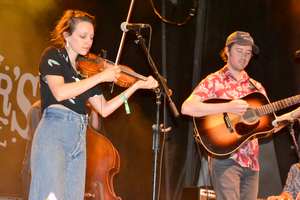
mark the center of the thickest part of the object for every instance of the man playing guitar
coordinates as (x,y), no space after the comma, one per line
(235,177)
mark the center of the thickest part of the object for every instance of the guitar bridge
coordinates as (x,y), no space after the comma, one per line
(227,122)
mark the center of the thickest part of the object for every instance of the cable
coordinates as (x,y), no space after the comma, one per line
(191,14)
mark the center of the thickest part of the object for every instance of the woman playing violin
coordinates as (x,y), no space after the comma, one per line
(58,158)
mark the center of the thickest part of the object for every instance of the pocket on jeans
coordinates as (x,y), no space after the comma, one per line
(78,148)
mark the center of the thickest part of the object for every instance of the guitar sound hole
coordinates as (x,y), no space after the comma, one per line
(250,116)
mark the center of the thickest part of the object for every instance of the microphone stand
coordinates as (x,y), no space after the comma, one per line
(156,127)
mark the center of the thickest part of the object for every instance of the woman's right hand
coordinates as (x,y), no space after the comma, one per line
(110,74)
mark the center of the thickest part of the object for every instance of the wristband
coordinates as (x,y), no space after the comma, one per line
(126,105)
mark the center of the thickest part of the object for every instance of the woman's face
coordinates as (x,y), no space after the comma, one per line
(81,40)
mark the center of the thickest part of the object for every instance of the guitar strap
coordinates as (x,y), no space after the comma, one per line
(252,85)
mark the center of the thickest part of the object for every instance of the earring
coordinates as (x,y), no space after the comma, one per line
(67,44)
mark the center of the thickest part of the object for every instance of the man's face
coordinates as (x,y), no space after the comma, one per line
(239,56)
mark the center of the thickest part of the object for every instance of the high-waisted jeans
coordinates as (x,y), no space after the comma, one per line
(58,156)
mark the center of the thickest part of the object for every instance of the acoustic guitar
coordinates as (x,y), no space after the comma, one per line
(223,134)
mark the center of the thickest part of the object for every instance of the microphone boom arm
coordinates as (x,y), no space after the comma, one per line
(159,77)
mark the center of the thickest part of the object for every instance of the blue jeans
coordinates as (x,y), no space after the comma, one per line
(233,182)
(58,156)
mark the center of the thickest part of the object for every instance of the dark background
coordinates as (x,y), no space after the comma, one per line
(184,55)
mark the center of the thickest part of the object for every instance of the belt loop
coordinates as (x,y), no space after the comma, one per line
(70,116)
(86,118)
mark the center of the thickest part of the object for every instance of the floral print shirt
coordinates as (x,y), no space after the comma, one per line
(223,85)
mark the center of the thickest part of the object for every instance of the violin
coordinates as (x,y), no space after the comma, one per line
(92,64)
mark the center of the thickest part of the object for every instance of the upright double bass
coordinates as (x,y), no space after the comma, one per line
(103,162)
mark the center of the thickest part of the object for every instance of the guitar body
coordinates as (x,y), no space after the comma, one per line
(222,134)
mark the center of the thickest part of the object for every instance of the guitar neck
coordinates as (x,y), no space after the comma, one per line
(278,105)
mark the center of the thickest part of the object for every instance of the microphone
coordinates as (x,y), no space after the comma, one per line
(132,26)
(283,122)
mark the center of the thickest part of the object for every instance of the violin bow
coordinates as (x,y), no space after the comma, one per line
(123,38)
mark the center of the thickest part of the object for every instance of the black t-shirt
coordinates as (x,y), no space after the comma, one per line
(55,61)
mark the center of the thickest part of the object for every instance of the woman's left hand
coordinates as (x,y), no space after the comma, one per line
(150,83)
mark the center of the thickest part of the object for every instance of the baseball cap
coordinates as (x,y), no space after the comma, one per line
(242,38)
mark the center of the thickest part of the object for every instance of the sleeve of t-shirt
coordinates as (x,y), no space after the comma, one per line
(51,62)
(206,88)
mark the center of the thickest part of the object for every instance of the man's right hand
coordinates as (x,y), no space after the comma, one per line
(237,106)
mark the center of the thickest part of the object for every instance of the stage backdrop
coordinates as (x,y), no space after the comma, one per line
(184,54)
(21,41)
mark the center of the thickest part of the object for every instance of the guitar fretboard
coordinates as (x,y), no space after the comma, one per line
(278,105)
